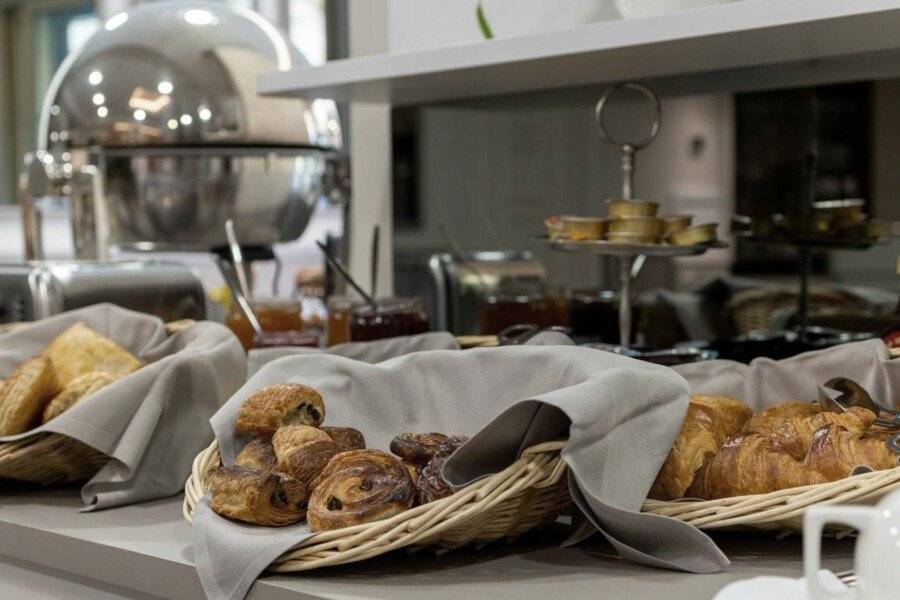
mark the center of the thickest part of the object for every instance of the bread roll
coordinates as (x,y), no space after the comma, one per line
(357,487)
(80,350)
(257,497)
(79,388)
(277,405)
(25,394)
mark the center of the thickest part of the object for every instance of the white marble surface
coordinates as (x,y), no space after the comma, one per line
(49,550)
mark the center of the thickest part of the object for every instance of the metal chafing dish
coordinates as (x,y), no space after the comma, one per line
(155,133)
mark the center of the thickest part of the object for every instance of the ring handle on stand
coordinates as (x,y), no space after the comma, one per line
(629,148)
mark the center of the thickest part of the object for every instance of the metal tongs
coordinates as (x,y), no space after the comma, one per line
(852,394)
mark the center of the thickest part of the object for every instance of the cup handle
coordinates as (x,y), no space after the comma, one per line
(814,522)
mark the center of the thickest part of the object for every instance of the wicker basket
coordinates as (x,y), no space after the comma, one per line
(529,493)
(781,511)
(49,458)
(752,310)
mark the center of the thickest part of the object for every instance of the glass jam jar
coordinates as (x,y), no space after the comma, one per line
(340,313)
(502,311)
(274,314)
(392,317)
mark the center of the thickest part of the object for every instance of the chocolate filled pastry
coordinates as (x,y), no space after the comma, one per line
(346,438)
(359,486)
(80,349)
(413,470)
(289,437)
(24,395)
(277,405)
(430,485)
(81,387)
(417,448)
(307,460)
(258,454)
(258,497)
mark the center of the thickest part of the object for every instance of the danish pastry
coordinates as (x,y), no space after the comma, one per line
(347,438)
(277,405)
(80,349)
(257,497)
(430,484)
(79,388)
(417,448)
(357,487)
(25,393)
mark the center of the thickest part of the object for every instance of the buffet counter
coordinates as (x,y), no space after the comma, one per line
(143,552)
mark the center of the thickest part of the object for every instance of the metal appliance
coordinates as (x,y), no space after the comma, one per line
(461,283)
(155,136)
(38,290)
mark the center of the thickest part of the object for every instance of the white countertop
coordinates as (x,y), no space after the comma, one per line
(49,550)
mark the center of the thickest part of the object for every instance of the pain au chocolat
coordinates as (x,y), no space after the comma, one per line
(277,405)
(258,497)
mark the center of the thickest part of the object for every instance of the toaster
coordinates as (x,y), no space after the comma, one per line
(36,290)
(460,285)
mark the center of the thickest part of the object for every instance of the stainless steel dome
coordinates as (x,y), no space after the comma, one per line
(181,73)
(161,104)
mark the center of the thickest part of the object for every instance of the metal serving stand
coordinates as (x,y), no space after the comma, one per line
(630,257)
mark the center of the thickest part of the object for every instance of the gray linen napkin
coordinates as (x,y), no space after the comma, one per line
(370,352)
(152,422)
(766,382)
(620,415)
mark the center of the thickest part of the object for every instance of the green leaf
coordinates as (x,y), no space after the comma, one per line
(483,24)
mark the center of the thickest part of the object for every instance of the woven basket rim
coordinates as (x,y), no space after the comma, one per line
(540,467)
(782,509)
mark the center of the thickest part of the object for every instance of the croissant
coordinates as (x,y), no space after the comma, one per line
(282,404)
(763,421)
(708,423)
(795,434)
(748,464)
(357,487)
(307,460)
(258,497)
(835,452)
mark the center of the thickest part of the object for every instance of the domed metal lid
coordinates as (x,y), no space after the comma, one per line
(181,73)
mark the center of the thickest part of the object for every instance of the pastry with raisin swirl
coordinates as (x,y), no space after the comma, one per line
(359,486)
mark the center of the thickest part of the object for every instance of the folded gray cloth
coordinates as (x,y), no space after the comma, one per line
(620,416)
(766,382)
(371,352)
(151,422)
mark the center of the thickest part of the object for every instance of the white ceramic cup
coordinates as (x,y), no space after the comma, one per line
(877,560)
